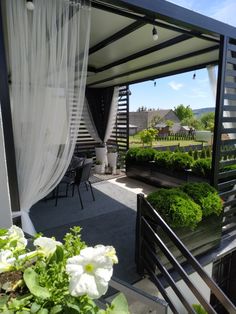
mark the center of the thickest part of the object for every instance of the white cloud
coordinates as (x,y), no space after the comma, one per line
(174,85)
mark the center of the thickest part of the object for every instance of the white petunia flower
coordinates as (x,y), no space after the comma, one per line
(15,234)
(91,271)
(6,260)
(46,245)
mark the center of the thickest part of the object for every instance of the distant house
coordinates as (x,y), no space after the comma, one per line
(144,119)
(133,129)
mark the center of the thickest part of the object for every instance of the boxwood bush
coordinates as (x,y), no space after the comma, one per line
(131,154)
(181,161)
(176,207)
(202,167)
(206,196)
(162,159)
(145,154)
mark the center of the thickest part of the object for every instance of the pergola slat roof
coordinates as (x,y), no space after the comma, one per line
(122,49)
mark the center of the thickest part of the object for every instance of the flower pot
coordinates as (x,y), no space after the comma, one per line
(100,169)
(112,159)
(101,154)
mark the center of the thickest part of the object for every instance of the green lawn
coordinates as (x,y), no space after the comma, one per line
(134,141)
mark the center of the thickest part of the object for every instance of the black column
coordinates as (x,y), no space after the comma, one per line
(7,125)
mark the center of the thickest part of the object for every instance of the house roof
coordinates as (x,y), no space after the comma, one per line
(123,50)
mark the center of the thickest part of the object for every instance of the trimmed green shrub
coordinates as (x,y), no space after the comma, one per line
(202,167)
(131,153)
(203,153)
(190,152)
(195,154)
(162,159)
(176,207)
(145,154)
(205,196)
(208,152)
(180,161)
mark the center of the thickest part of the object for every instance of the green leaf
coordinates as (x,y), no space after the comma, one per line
(56,309)
(119,305)
(35,307)
(72,308)
(58,255)
(3,232)
(31,280)
(42,311)
(3,243)
(3,300)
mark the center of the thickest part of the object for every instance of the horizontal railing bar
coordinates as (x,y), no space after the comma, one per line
(231,73)
(228,228)
(229,221)
(230,212)
(226,184)
(229,130)
(154,302)
(232,47)
(228,193)
(179,268)
(229,108)
(231,60)
(169,279)
(230,85)
(227,174)
(160,287)
(227,162)
(230,203)
(229,119)
(230,96)
(192,260)
(230,152)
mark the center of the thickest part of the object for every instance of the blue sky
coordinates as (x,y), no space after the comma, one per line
(171,91)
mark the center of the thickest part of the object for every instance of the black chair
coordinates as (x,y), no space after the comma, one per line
(82,176)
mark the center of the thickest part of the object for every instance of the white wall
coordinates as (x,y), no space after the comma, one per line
(5,207)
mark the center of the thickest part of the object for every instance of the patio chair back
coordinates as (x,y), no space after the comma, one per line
(83,174)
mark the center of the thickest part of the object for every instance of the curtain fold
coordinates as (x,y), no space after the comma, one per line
(102,105)
(48,53)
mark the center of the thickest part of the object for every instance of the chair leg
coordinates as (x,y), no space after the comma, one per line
(86,186)
(80,198)
(73,190)
(91,190)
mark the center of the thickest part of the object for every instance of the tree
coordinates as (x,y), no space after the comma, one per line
(148,135)
(208,121)
(156,119)
(193,123)
(183,112)
(169,123)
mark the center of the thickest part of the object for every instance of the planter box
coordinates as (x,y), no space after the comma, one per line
(151,174)
(205,237)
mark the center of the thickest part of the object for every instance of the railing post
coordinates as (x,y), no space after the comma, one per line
(138,237)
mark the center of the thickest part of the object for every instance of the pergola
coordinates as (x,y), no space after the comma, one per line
(122,51)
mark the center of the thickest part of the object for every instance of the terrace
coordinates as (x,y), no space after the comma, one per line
(42,98)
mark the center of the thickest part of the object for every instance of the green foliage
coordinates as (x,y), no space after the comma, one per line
(183,112)
(190,152)
(192,122)
(145,154)
(147,136)
(195,154)
(208,121)
(176,207)
(199,309)
(208,152)
(169,123)
(181,161)
(131,153)
(119,305)
(205,196)
(202,167)
(162,159)
(203,153)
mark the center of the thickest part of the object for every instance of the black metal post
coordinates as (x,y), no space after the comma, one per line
(7,125)
(138,237)
(219,110)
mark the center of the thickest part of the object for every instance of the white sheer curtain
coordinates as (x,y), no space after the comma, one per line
(112,114)
(48,52)
(89,122)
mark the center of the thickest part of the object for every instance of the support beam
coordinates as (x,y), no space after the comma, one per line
(8,139)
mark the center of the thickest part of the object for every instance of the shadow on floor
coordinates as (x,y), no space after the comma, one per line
(106,221)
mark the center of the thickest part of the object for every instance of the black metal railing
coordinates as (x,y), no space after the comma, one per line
(147,241)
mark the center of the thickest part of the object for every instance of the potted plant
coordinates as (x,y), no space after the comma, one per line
(112,157)
(99,167)
(55,277)
(193,211)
